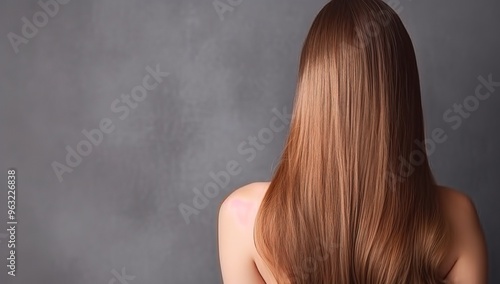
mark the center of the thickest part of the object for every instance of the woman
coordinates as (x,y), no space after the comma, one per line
(344,204)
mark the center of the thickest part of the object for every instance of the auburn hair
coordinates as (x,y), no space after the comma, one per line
(341,206)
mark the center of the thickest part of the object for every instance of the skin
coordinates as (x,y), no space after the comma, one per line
(241,264)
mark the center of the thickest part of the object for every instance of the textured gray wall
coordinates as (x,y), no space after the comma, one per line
(115,217)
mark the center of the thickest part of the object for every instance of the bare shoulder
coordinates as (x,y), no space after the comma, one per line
(456,205)
(243,203)
(235,234)
(459,209)
(251,190)
(469,245)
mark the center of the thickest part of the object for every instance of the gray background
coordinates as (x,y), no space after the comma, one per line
(119,208)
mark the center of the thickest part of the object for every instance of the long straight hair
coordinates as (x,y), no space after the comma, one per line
(353,199)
